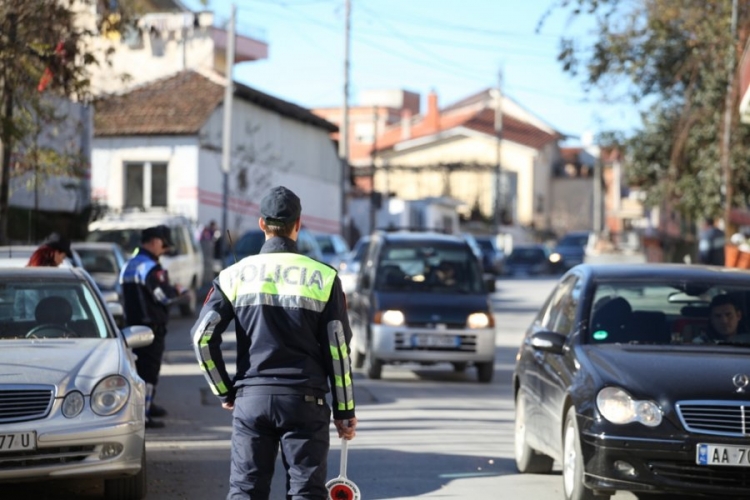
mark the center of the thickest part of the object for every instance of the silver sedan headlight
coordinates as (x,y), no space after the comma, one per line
(72,405)
(110,395)
(619,407)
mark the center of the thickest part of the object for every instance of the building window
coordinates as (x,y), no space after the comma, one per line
(145,185)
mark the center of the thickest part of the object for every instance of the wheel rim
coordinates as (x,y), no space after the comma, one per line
(520,428)
(569,459)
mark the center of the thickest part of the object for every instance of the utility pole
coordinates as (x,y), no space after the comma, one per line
(344,130)
(7,135)
(226,146)
(726,144)
(373,156)
(498,162)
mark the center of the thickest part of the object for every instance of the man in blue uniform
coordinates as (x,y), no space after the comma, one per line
(293,336)
(147,295)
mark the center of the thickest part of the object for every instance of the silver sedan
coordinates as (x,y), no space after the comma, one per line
(71,402)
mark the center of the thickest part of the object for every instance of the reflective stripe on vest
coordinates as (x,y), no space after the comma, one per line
(136,269)
(278,279)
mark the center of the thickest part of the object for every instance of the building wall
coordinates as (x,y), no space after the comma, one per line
(572,204)
(180,153)
(268,150)
(469,187)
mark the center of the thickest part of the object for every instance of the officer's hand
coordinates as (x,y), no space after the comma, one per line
(347,429)
(228,406)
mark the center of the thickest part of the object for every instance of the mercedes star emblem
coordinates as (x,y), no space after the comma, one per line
(740,381)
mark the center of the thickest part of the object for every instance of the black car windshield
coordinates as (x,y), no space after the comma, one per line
(679,314)
(526,255)
(250,244)
(34,308)
(574,240)
(425,267)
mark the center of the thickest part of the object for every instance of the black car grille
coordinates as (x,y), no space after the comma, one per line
(47,456)
(467,343)
(689,473)
(722,418)
(20,403)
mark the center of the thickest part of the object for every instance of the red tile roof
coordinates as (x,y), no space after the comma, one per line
(483,121)
(181,105)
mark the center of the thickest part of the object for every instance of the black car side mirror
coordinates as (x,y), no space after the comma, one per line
(489,283)
(547,341)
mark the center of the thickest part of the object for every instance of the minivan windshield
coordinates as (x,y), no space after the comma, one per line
(432,268)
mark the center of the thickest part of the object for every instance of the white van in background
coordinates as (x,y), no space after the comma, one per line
(184,263)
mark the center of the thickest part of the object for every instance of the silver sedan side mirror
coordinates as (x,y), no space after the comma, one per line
(138,336)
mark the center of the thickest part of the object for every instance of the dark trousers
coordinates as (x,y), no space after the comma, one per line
(148,362)
(263,422)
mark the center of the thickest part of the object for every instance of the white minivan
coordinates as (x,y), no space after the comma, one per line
(184,263)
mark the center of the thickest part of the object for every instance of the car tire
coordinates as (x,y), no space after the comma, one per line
(358,358)
(373,366)
(485,371)
(572,462)
(188,308)
(128,488)
(528,460)
(459,366)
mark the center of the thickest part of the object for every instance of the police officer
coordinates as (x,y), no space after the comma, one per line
(292,335)
(147,295)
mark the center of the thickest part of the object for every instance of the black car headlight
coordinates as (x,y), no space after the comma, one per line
(619,407)
(555,258)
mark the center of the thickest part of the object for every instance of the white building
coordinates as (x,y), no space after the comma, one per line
(160,146)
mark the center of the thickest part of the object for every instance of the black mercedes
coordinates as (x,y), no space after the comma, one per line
(637,378)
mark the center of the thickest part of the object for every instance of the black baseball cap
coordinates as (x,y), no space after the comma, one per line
(60,243)
(280,207)
(162,232)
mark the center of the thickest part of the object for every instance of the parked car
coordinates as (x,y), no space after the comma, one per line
(527,260)
(103,261)
(71,402)
(349,267)
(493,257)
(184,262)
(569,250)
(333,247)
(251,242)
(419,297)
(18,256)
(611,382)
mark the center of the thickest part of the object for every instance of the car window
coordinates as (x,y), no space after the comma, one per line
(571,240)
(523,255)
(664,313)
(326,244)
(38,308)
(568,306)
(99,260)
(426,267)
(553,309)
(180,241)
(249,244)
(128,239)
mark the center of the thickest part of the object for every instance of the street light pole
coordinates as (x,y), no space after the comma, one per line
(498,141)
(226,147)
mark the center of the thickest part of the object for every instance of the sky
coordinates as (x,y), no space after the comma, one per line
(454,47)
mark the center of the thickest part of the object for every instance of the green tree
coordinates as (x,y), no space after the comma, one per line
(678,60)
(46,55)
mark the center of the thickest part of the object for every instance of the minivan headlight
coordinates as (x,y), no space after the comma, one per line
(391,317)
(110,395)
(480,320)
(619,407)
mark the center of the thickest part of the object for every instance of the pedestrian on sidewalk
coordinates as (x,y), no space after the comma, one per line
(293,336)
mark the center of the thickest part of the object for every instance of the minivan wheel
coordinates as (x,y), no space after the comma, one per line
(188,308)
(485,371)
(373,365)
